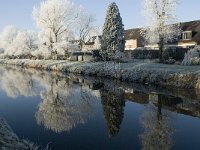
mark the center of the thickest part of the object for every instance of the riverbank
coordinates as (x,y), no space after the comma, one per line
(140,72)
(10,141)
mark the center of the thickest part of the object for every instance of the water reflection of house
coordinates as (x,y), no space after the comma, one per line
(172,103)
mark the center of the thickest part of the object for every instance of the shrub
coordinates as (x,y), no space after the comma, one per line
(169,52)
(192,57)
(143,53)
(176,53)
(95,54)
(170,61)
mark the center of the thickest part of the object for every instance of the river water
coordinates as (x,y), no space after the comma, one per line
(69,112)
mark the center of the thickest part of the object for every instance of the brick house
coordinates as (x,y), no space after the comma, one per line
(190,36)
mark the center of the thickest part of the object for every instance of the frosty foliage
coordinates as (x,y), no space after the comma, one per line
(84,24)
(1,50)
(161,26)
(113,67)
(65,47)
(192,57)
(25,43)
(54,18)
(113,33)
(60,21)
(18,42)
(43,52)
(161,21)
(8,35)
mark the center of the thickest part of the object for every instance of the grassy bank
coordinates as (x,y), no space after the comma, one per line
(140,72)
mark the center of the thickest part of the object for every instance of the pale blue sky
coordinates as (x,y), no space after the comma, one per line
(18,12)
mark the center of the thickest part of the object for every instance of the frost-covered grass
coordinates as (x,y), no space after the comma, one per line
(146,72)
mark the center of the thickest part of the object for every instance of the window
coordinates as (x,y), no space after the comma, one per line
(187,35)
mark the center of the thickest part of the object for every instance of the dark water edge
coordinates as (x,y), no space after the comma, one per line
(75,112)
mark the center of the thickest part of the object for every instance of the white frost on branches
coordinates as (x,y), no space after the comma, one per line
(18,42)
(161,26)
(25,43)
(192,57)
(84,24)
(60,21)
(113,33)
(161,20)
(54,18)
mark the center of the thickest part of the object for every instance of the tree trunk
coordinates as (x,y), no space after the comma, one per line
(56,38)
(159,111)
(161,46)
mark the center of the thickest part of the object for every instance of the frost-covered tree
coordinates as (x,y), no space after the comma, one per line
(18,42)
(54,18)
(8,36)
(84,25)
(25,43)
(192,57)
(161,24)
(113,33)
(1,50)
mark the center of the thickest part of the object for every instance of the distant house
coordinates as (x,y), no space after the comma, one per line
(190,37)
(93,44)
(190,34)
(133,39)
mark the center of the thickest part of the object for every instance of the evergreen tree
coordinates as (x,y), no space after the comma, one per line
(113,40)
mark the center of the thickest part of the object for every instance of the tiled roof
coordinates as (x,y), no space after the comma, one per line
(132,33)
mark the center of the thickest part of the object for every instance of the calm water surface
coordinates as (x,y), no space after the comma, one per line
(70,112)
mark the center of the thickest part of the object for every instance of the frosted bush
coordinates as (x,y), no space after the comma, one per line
(17,42)
(64,47)
(192,57)
(113,68)
(42,52)
(1,50)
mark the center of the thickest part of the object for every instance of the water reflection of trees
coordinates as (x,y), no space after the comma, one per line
(157,123)
(67,100)
(16,83)
(113,102)
(64,106)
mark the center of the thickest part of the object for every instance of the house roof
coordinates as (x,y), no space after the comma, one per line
(133,33)
(193,26)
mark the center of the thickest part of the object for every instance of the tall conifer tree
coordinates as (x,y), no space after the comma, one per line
(113,40)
